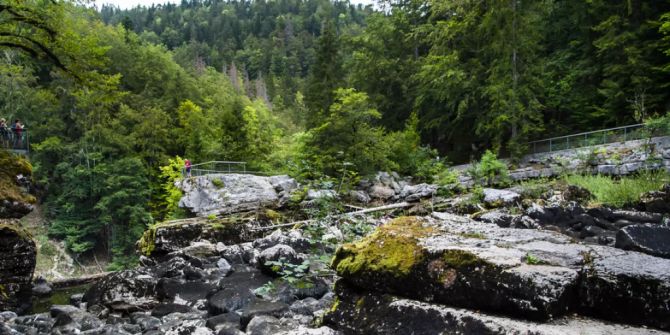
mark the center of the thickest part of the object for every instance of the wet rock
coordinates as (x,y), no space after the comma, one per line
(232,193)
(189,291)
(76,299)
(649,239)
(222,320)
(127,291)
(262,307)
(17,263)
(237,291)
(146,322)
(265,325)
(495,197)
(370,313)
(224,266)
(41,287)
(626,287)
(168,308)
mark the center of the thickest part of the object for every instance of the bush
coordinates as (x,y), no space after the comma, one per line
(490,171)
(409,157)
(619,192)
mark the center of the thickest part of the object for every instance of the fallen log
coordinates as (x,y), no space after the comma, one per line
(349,214)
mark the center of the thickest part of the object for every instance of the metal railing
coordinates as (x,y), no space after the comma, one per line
(218,167)
(590,138)
(17,141)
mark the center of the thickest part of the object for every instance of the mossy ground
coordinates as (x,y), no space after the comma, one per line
(393,249)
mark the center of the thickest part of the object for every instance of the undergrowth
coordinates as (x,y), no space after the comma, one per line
(619,192)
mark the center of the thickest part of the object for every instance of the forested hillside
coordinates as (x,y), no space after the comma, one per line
(315,89)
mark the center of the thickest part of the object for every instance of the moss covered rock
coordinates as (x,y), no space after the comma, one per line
(15,200)
(17,264)
(526,273)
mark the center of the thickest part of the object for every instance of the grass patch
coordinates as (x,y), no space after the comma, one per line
(619,192)
(535,188)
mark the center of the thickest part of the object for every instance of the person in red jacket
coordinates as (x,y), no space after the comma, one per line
(187,167)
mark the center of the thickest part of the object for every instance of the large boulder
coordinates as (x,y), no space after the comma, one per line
(372,313)
(191,236)
(650,239)
(525,273)
(657,201)
(17,264)
(125,291)
(15,199)
(232,193)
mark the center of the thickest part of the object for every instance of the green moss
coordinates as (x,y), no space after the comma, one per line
(12,166)
(20,231)
(335,305)
(391,249)
(218,183)
(459,258)
(147,242)
(272,215)
(473,235)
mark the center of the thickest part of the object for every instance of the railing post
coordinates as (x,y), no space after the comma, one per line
(567,143)
(550,146)
(625,134)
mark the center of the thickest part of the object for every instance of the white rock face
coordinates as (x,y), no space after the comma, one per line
(231,193)
(492,195)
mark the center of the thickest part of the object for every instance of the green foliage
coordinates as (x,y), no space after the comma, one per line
(347,135)
(533,260)
(619,192)
(166,203)
(294,274)
(218,183)
(489,171)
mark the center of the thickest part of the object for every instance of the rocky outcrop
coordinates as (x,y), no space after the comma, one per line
(195,290)
(216,194)
(375,313)
(179,235)
(523,273)
(611,159)
(650,239)
(15,198)
(17,264)
(656,201)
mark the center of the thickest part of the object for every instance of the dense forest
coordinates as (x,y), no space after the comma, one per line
(304,86)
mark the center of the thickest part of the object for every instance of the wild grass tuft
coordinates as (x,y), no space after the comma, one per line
(622,191)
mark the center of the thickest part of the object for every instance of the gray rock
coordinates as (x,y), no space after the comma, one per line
(224,266)
(237,291)
(650,239)
(261,307)
(494,196)
(294,239)
(359,196)
(638,217)
(381,192)
(416,192)
(385,314)
(517,272)
(41,287)
(128,291)
(264,325)
(17,263)
(240,192)
(497,217)
(200,249)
